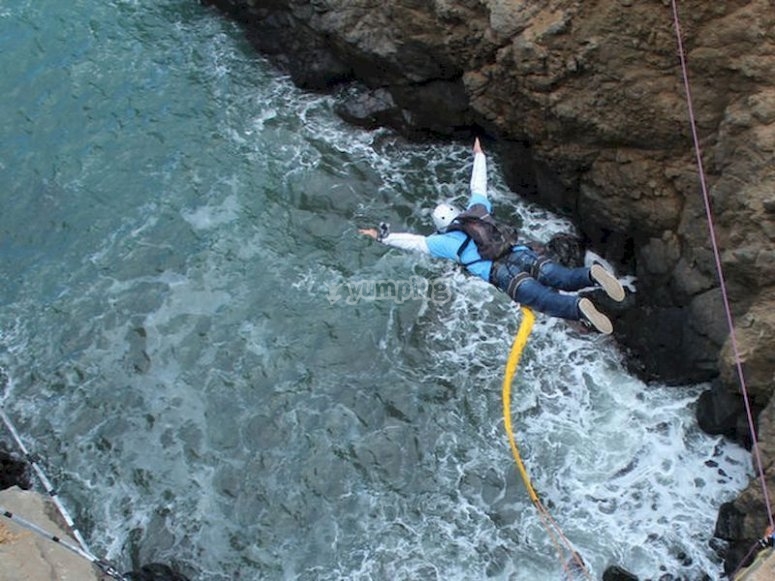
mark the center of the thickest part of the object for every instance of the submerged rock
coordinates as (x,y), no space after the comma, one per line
(156,572)
(616,573)
(369,109)
(14,471)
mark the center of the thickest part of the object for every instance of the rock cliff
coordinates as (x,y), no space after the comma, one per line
(586,102)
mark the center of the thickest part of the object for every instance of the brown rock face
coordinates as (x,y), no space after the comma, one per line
(587,102)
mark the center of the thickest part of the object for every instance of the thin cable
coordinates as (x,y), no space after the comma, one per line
(102,565)
(717,257)
(755,547)
(44,533)
(46,483)
(83,550)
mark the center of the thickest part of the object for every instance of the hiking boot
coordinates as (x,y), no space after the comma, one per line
(594,318)
(612,287)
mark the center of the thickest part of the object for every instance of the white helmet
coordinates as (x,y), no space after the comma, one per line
(442,215)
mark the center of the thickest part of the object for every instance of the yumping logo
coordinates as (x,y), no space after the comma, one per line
(399,291)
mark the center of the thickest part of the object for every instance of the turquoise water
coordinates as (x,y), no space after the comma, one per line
(183,348)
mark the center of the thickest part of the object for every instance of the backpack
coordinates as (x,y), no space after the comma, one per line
(493,239)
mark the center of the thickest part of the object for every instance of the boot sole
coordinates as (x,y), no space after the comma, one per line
(612,287)
(597,319)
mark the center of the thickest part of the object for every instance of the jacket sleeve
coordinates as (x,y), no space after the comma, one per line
(406,241)
(479,175)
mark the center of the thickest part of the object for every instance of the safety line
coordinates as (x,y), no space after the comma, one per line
(45,481)
(83,550)
(575,562)
(719,268)
(102,565)
(754,548)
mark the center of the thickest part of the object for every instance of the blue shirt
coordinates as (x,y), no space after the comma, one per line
(447,244)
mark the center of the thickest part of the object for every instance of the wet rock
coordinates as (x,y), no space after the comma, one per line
(137,358)
(738,555)
(660,346)
(156,572)
(729,524)
(744,520)
(307,55)
(14,471)
(369,109)
(438,106)
(412,111)
(719,412)
(616,573)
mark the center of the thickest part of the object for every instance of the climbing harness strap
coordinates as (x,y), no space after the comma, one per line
(535,270)
(515,283)
(493,239)
(462,248)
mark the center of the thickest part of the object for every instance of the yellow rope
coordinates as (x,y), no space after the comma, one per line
(555,533)
(520,340)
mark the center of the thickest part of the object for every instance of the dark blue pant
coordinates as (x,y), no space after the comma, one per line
(534,281)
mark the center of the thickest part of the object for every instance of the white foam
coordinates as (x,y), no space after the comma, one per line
(210,216)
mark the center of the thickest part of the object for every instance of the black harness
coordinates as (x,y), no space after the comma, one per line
(493,239)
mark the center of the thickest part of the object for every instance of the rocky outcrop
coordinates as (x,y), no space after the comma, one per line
(762,569)
(743,521)
(14,471)
(30,557)
(586,102)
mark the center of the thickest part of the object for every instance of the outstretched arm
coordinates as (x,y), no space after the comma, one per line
(402,240)
(478,177)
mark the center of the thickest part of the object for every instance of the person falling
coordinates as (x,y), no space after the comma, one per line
(492,251)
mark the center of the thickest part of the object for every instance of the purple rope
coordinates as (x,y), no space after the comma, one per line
(719,268)
(742,564)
